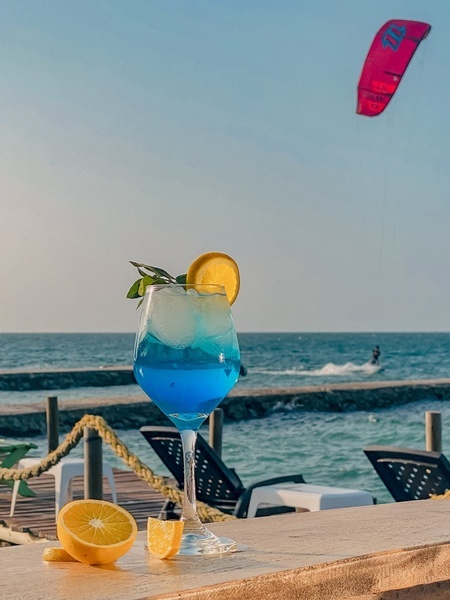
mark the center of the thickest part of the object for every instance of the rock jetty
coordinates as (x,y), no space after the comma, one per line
(62,379)
(132,412)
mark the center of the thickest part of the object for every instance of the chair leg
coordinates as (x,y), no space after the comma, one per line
(108,473)
(113,491)
(168,511)
(63,489)
(15,492)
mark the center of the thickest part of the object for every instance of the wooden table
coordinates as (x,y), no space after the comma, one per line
(392,551)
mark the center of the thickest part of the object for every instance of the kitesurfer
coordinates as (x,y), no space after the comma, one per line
(375,356)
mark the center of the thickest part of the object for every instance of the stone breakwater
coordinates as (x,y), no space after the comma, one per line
(132,412)
(61,379)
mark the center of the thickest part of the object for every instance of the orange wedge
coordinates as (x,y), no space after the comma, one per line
(164,537)
(95,532)
(218,268)
(57,555)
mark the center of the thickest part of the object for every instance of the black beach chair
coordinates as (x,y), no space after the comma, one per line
(216,484)
(410,474)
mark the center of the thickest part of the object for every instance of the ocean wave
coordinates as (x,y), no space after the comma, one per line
(330,369)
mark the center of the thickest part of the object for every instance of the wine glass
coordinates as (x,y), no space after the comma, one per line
(186,359)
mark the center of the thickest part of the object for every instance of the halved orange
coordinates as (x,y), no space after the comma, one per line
(164,537)
(95,532)
(218,268)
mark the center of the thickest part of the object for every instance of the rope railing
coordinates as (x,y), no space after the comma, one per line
(161,484)
(444,496)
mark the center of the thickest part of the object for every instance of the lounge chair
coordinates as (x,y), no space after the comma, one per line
(221,487)
(410,474)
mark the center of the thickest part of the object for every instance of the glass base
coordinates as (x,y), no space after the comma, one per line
(194,544)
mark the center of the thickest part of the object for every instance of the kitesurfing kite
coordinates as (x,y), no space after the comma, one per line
(387,60)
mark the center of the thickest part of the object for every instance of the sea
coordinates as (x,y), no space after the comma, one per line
(326,447)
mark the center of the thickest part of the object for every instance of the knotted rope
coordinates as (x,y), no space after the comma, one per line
(444,496)
(161,484)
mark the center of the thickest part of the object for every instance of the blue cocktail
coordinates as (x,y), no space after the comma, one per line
(186,359)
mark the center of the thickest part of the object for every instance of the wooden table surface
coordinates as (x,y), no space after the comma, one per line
(365,553)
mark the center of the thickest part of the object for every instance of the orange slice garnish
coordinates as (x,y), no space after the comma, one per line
(216,268)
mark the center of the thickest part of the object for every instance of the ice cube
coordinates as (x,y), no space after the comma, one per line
(172,317)
(214,316)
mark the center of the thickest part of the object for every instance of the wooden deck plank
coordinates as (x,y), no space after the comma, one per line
(38,514)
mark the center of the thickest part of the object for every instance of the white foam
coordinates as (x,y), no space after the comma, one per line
(330,369)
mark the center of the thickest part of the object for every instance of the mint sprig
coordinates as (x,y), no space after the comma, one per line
(148,276)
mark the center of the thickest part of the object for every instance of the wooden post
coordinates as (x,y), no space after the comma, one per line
(433,431)
(52,423)
(93,465)
(215,430)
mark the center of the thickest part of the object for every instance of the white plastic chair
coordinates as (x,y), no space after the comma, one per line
(63,472)
(307,496)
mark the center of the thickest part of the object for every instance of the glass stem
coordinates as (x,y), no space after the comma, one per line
(189,515)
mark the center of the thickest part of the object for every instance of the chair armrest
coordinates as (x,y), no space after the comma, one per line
(241,508)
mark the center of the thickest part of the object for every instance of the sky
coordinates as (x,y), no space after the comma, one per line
(157,130)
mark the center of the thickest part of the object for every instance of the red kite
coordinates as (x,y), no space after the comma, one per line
(387,60)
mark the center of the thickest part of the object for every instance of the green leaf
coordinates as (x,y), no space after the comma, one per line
(145,281)
(136,264)
(149,276)
(154,271)
(133,292)
(162,273)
